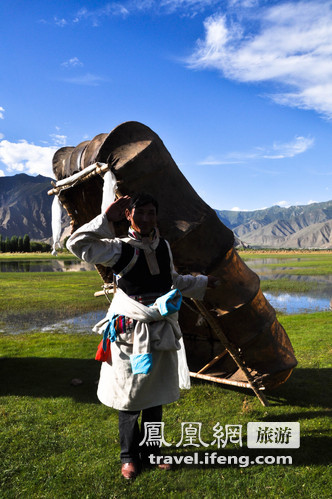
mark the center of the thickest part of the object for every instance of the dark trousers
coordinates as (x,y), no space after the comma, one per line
(131,435)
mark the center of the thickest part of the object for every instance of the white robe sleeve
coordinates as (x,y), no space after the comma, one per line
(189,285)
(95,242)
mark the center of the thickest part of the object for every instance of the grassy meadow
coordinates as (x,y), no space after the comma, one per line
(58,441)
(295,263)
(40,296)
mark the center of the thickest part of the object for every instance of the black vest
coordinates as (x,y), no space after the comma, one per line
(138,280)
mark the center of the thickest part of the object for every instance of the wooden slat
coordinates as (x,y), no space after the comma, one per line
(232,351)
(213,361)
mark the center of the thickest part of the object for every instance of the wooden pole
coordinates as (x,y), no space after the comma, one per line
(102,293)
(90,171)
(231,349)
(224,381)
(213,361)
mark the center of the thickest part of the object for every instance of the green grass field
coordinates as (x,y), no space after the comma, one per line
(58,441)
(304,263)
(63,255)
(37,297)
(291,263)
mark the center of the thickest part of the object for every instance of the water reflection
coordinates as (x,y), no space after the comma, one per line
(289,303)
(283,302)
(83,324)
(45,266)
(80,324)
(297,304)
(278,268)
(264,276)
(269,261)
(315,300)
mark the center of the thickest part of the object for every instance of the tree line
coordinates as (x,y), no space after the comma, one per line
(19,244)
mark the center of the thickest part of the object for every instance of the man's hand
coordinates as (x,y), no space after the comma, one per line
(213,281)
(116,211)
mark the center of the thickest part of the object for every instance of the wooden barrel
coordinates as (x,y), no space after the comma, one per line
(200,242)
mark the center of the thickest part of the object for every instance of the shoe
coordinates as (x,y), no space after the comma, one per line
(129,471)
(165,466)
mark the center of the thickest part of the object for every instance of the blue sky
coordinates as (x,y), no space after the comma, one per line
(240,91)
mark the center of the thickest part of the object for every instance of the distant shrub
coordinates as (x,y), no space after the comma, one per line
(26,243)
(37,246)
(19,244)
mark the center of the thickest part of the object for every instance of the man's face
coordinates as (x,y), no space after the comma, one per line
(143,218)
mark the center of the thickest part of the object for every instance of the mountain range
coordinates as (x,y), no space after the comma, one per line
(307,226)
(25,208)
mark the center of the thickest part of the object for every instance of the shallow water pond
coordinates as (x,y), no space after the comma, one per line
(80,324)
(315,300)
(289,303)
(301,270)
(44,266)
(283,302)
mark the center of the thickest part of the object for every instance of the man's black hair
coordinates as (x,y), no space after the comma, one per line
(141,199)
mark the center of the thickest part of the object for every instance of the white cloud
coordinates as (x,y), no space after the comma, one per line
(185,7)
(283,204)
(25,157)
(278,150)
(59,140)
(288,43)
(1,136)
(243,3)
(2,173)
(189,5)
(312,201)
(60,22)
(74,62)
(236,208)
(87,79)
(289,149)
(96,15)
(228,159)
(1,113)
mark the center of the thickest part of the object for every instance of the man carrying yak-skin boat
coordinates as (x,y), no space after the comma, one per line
(141,330)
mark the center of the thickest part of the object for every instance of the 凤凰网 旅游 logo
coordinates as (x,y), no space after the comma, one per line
(273,435)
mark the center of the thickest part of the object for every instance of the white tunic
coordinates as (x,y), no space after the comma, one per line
(95,242)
